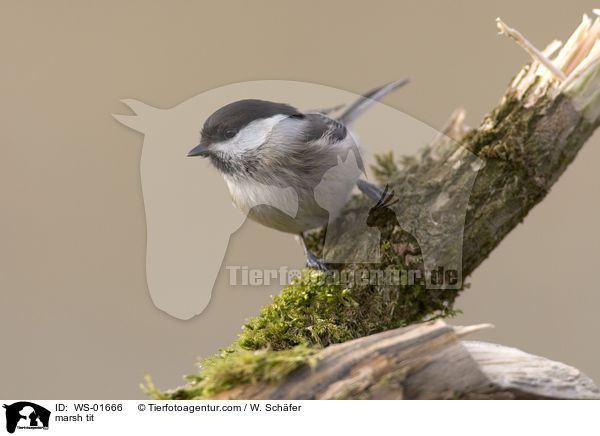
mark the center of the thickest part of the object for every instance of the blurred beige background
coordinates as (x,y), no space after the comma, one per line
(75,314)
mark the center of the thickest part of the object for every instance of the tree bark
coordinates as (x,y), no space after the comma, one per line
(515,156)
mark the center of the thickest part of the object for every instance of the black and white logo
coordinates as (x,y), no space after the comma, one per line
(26,415)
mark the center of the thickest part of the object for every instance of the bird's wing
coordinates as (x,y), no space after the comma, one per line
(313,140)
(360,106)
(318,126)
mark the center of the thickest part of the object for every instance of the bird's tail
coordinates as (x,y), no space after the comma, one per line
(361,105)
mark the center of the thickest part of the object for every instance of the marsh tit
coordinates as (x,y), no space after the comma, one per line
(289,170)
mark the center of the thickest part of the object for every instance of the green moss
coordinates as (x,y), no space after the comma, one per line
(309,311)
(385,167)
(308,314)
(234,367)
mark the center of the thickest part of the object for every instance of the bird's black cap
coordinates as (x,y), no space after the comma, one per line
(231,118)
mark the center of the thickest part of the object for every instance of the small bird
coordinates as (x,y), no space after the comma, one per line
(274,158)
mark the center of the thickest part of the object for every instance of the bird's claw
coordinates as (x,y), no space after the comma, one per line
(314,262)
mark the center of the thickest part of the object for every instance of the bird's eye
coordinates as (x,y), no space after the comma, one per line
(230,133)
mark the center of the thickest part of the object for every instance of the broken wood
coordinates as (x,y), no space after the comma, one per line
(424,361)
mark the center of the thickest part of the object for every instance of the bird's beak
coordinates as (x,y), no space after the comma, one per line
(198,150)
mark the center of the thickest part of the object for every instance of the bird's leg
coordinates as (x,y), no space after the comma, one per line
(372,191)
(312,261)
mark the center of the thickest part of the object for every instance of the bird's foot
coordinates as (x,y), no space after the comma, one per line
(314,262)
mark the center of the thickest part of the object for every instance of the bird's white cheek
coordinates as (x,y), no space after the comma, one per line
(239,144)
(250,137)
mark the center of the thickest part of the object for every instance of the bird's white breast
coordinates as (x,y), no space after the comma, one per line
(247,193)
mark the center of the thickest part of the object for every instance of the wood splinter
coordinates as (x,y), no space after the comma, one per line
(529,48)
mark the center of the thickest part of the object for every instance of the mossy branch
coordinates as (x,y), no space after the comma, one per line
(518,152)
(423,361)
